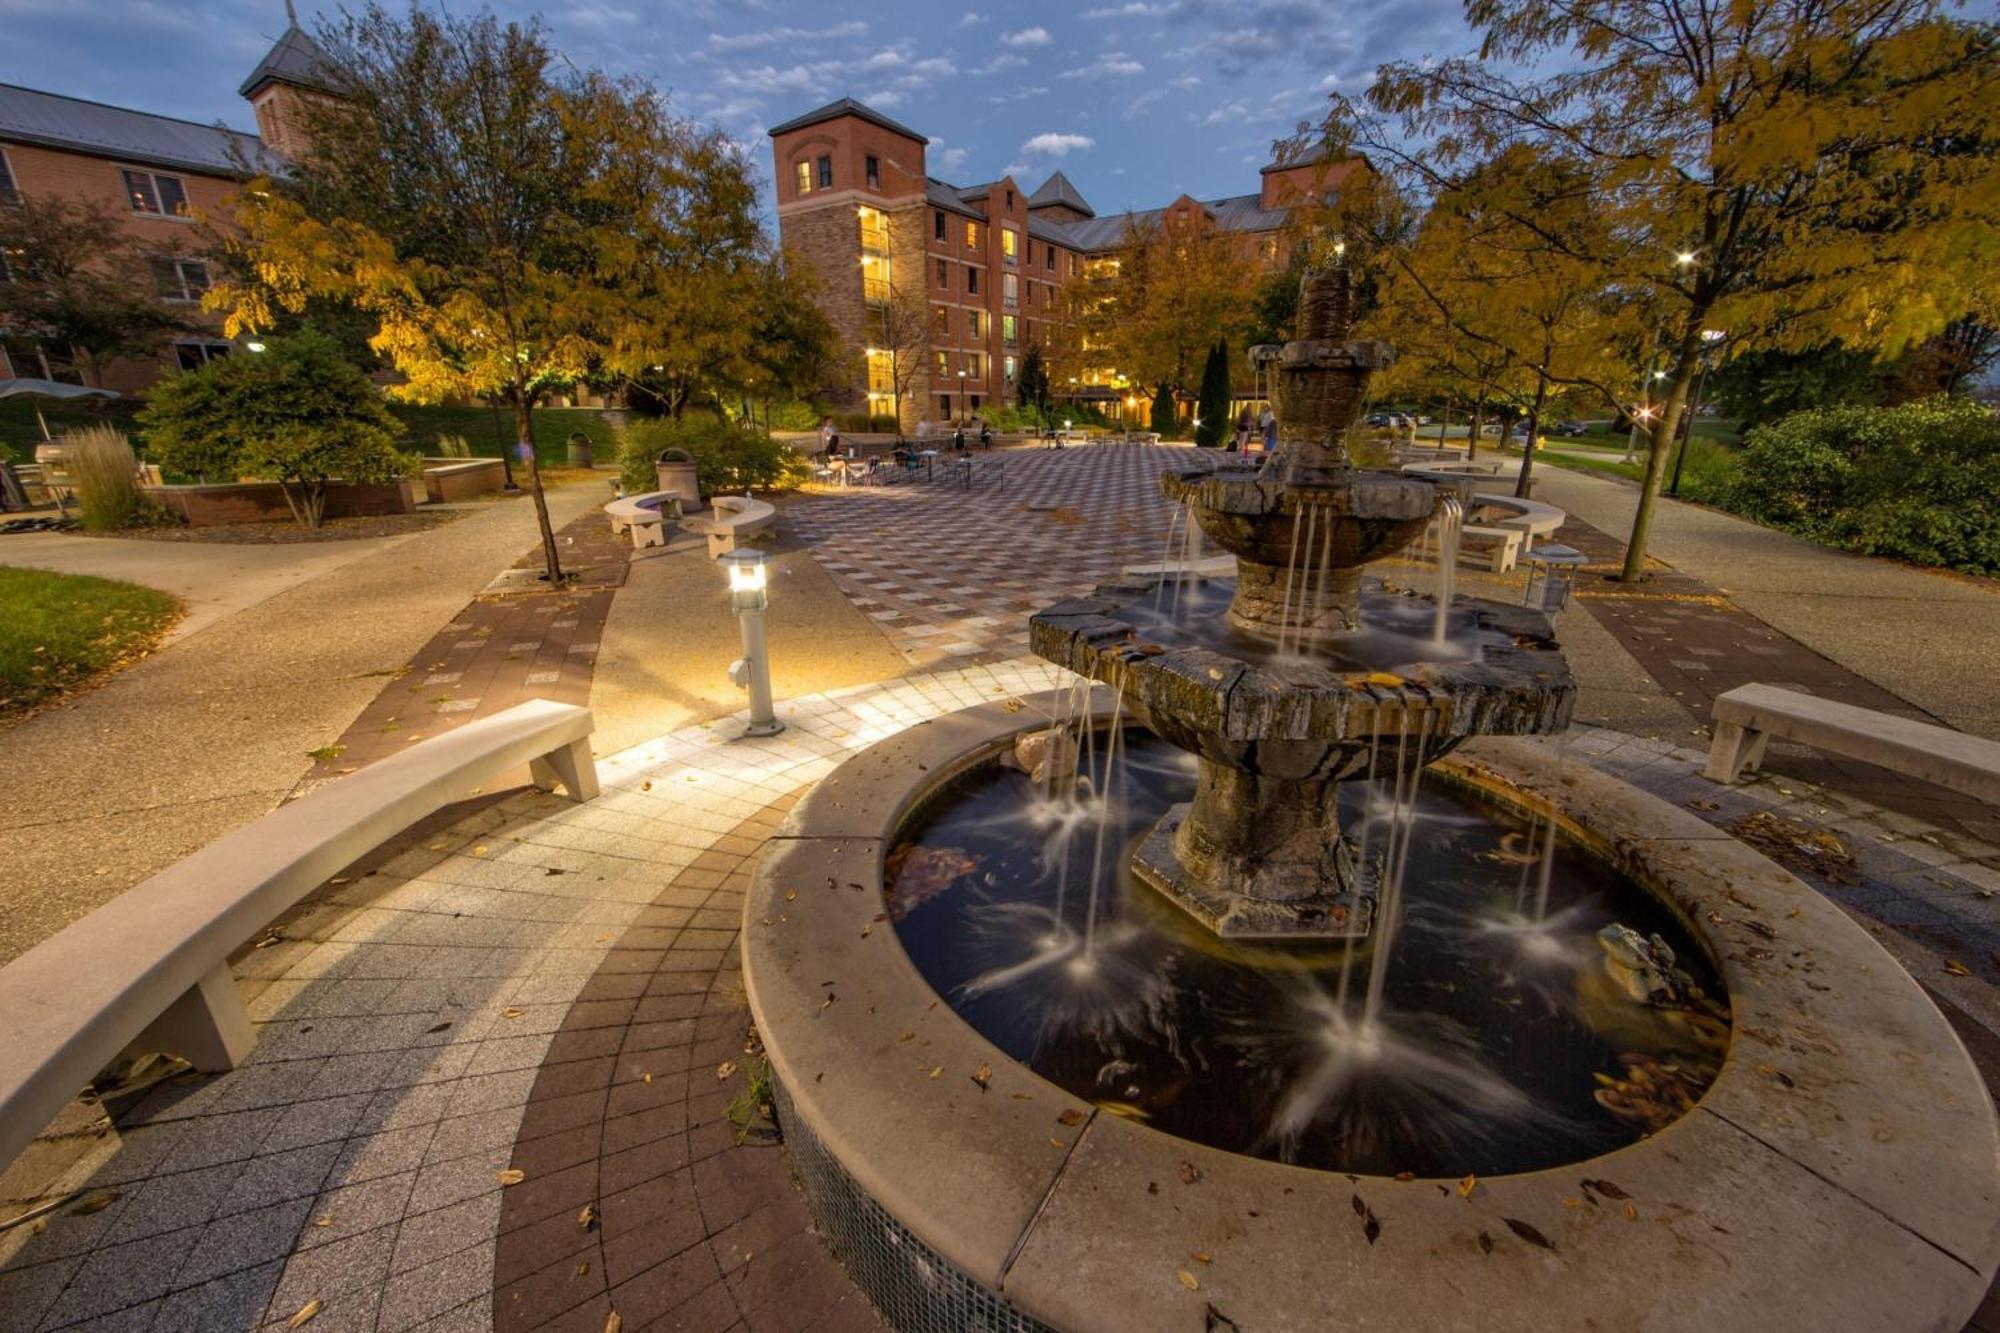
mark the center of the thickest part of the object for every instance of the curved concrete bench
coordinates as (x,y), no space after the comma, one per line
(1530,516)
(1748,716)
(149,970)
(644,516)
(736,519)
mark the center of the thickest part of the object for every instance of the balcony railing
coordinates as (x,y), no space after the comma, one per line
(875,291)
(875,240)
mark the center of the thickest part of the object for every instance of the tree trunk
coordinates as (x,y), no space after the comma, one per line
(1525,483)
(1658,452)
(524,430)
(1478,426)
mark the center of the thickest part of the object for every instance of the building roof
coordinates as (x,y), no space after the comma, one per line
(1058,190)
(846,106)
(950,198)
(1242,212)
(294,58)
(51,120)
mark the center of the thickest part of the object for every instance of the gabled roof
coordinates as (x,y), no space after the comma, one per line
(1058,190)
(51,120)
(846,106)
(1242,212)
(294,58)
(948,197)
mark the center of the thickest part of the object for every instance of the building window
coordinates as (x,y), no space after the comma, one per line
(974,368)
(1010,201)
(941,322)
(805,176)
(972,235)
(1010,369)
(975,402)
(151,193)
(943,361)
(944,406)
(10,193)
(180,279)
(944,275)
(972,324)
(1073,265)
(972,281)
(874,230)
(1007,329)
(937,224)
(1049,256)
(1010,288)
(1010,242)
(825,172)
(874,173)
(195,355)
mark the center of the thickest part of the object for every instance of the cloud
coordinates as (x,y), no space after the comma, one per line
(759,37)
(770,79)
(1001,62)
(1136,9)
(1111,65)
(1017,169)
(1227,113)
(1036,36)
(1021,94)
(1057,145)
(884,98)
(944,158)
(1143,103)
(972,19)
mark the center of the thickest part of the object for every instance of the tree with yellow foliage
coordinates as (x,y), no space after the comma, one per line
(1785,173)
(1177,287)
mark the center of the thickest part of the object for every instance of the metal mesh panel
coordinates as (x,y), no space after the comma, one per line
(916,1289)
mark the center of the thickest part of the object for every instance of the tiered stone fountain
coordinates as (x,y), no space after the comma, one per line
(1259,852)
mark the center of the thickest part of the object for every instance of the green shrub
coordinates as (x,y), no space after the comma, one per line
(101,466)
(453,446)
(299,414)
(727,457)
(1915,481)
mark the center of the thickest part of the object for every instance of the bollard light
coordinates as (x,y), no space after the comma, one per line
(1552,576)
(749,596)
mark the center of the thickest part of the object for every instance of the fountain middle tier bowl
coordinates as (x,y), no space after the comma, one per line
(1254,514)
(1234,697)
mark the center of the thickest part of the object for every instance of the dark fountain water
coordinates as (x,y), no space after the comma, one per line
(1264,926)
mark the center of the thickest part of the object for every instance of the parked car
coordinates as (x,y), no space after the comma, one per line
(1568,428)
(1381,421)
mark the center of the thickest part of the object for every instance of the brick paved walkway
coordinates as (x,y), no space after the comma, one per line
(503,649)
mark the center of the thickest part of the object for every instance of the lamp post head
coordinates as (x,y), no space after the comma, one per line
(748,578)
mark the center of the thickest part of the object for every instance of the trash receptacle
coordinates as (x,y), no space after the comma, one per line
(678,478)
(579,450)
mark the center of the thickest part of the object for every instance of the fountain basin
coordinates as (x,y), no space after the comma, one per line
(1840,1172)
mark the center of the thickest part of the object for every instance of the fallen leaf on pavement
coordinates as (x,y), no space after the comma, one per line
(513,1176)
(1188,1280)
(306,1312)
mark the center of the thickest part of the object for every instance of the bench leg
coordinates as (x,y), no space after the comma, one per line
(207,1026)
(570,768)
(1735,752)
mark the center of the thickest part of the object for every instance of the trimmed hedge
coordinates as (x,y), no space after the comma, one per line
(727,457)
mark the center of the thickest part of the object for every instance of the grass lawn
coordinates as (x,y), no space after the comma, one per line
(58,631)
(552,426)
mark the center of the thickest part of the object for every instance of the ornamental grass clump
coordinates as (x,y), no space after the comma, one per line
(105,473)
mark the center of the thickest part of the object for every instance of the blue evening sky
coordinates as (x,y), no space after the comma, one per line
(1137,100)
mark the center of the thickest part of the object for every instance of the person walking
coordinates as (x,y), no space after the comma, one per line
(1244,424)
(826,436)
(1270,425)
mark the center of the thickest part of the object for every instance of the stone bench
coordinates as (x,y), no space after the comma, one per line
(451,480)
(149,970)
(734,521)
(1747,717)
(1496,549)
(1532,517)
(644,516)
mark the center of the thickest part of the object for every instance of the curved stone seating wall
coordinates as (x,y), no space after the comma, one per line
(734,521)
(1840,1173)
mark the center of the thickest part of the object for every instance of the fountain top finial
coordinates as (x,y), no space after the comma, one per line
(1326,304)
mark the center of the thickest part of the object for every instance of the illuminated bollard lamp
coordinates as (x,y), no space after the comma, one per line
(749,596)
(1552,571)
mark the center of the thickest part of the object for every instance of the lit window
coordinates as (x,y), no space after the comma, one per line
(972,235)
(1010,288)
(1010,369)
(874,173)
(805,177)
(150,193)
(944,362)
(825,172)
(972,324)
(1007,329)
(180,279)
(1010,242)
(195,355)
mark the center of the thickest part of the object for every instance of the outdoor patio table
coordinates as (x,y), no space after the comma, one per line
(930,463)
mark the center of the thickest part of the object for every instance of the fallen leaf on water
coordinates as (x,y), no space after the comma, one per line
(983,1076)
(513,1176)
(306,1312)
(95,1203)
(1466,1186)
(1070,1117)
(1956,968)
(1188,1280)
(1528,1233)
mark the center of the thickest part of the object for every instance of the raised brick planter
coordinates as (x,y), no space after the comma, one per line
(447,481)
(264,501)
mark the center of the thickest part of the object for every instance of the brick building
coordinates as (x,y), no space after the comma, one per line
(158,174)
(989,261)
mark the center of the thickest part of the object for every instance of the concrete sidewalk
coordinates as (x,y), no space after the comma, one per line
(1930,637)
(213,579)
(213,731)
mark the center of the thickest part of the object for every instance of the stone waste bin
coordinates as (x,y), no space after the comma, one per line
(677,476)
(580,450)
